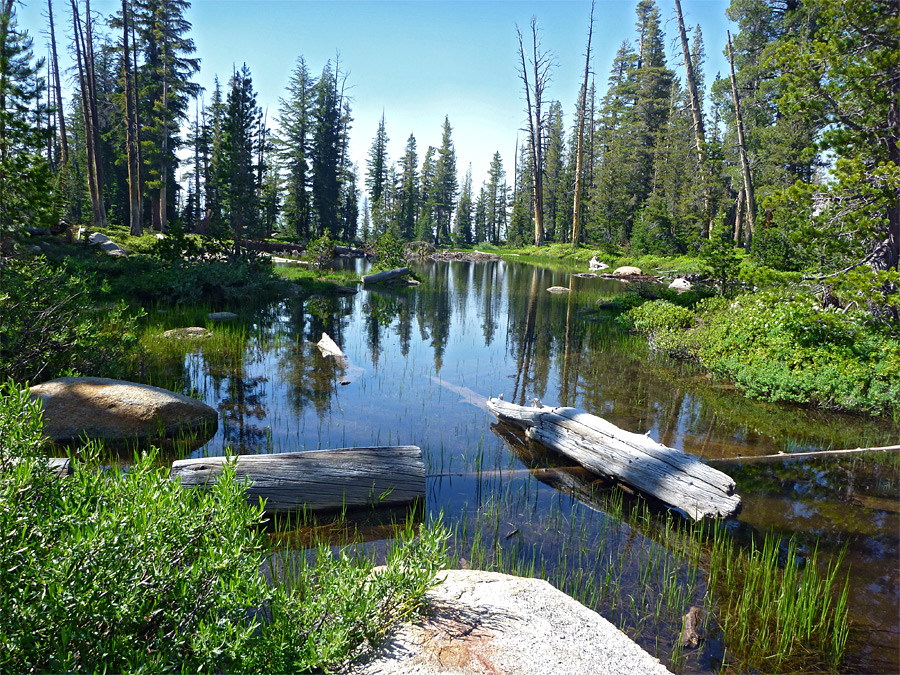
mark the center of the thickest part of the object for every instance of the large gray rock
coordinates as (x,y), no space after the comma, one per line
(484,622)
(627,271)
(116,410)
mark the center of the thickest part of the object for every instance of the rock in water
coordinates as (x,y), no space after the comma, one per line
(558,289)
(116,410)
(221,316)
(595,264)
(627,271)
(190,333)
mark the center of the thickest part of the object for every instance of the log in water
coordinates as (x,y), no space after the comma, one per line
(319,480)
(670,475)
(385,276)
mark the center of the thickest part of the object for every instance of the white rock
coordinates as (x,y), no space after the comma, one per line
(558,289)
(597,265)
(627,271)
(190,333)
(484,622)
(681,285)
(98,238)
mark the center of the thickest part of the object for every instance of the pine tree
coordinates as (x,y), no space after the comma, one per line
(446,185)
(24,172)
(238,182)
(408,195)
(295,123)
(377,164)
(462,226)
(326,153)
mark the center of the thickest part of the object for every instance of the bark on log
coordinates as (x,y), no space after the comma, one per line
(385,276)
(320,480)
(670,475)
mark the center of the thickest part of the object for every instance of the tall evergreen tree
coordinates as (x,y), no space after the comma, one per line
(295,123)
(239,153)
(377,164)
(24,172)
(326,153)
(446,185)
(408,196)
(462,226)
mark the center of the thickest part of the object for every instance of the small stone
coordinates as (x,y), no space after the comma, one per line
(627,271)
(190,333)
(558,289)
(221,316)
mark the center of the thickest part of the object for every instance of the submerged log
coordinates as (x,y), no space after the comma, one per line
(677,479)
(319,480)
(385,276)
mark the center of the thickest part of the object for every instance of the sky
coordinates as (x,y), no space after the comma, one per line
(417,61)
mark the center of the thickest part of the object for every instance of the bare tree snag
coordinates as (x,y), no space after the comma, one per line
(742,148)
(579,153)
(134,189)
(60,112)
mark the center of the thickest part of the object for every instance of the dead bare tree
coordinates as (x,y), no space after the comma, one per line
(134,188)
(579,153)
(541,66)
(742,148)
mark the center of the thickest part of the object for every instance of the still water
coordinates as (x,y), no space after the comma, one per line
(422,360)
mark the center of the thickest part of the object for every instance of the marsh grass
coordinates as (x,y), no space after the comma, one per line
(772,608)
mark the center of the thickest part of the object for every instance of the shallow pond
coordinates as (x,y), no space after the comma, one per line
(421,362)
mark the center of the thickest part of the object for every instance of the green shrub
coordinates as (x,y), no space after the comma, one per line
(781,347)
(389,252)
(114,571)
(320,252)
(49,325)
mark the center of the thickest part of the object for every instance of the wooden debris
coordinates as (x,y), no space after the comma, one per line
(318,480)
(381,277)
(677,479)
(691,628)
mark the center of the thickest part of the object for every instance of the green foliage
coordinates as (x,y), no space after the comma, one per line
(780,347)
(389,252)
(50,327)
(652,233)
(129,572)
(320,251)
(720,258)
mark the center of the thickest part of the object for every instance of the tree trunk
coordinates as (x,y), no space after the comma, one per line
(134,193)
(697,115)
(742,148)
(88,110)
(318,480)
(60,112)
(670,475)
(738,216)
(579,153)
(534,128)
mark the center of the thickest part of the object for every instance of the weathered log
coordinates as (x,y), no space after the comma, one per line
(319,480)
(385,276)
(60,467)
(815,454)
(670,475)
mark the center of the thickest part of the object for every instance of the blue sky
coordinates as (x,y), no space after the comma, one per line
(417,60)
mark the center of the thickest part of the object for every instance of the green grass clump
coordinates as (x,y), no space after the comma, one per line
(111,571)
(780,347)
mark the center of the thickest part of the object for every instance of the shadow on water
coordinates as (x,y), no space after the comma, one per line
(420,358)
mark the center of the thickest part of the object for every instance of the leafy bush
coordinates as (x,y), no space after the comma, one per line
(320,251)
(112,571)
(49,325)
(389,252)
(780,347)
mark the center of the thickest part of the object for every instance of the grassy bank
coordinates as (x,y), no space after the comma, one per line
(779,346)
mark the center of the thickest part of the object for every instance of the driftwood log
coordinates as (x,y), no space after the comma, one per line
(677,479)
(319,480)
(385,276)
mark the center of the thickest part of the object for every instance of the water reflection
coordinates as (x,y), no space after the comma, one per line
(417,357)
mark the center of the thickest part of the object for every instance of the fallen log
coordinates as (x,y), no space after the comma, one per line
(677,479)
(318,480)
(385,276)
